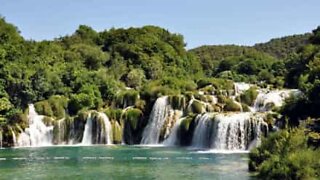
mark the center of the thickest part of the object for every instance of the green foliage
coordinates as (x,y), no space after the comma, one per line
(8,33)
(116,132)
(135,78)
(185,124)
(248,97)
(5,105)
(127,98)
(177,101)
(43,108)
(282,48)
(132,116)
(114,114)
(285,155)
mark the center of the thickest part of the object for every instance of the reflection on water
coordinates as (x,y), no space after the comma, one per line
(120,162)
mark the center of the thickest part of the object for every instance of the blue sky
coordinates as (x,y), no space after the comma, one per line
(243,22)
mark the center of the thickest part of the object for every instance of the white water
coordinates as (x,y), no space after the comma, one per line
(266,99)
(14,138)
(87,134)
(156,120)
(173,138)
(37,134)
(240,87)
(61,131)
(1,139)
(107,128)
(201,135)
(234,131)
(104,130)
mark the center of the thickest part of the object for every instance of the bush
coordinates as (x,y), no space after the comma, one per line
(43,108)
(249,96)
(285,155)
(58,105)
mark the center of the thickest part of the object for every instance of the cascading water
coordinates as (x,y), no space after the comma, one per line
(201,135)
(1,139)
(97,130)
(156,120)
(173,138)
(87,133)
(37,134)
(59,131)
(240,87)
(267,99)
(107,130)
(235,131)
(14,138)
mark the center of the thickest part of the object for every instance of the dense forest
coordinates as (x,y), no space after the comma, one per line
(117,68)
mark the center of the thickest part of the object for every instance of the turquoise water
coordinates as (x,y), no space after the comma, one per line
(120,162)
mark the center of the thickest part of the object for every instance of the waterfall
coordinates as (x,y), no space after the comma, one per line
(1,139)
(107,130)
(237,131)
(240,87)
(61,131)
(156,119)
(37,134)
(87,134)
(14,138)
(267,99)
(234,131)
(173,138)
(201,135)
(97,129)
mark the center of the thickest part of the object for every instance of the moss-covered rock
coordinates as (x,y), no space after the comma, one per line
(230,105)
(114,114)
(132,116)
(245,107)
(222,99)
(48,121)
(116,132)
(140,104)
(127,98)
(177,101)
(43,108)
(55,106)
(249,96)
(58,104)
(197,107)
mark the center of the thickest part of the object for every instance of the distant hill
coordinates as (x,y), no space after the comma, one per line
(282,47)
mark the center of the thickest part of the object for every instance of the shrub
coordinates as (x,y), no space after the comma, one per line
(285,155)
(43,108)
(249,96)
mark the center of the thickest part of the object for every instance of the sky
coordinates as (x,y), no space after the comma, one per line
(201,22)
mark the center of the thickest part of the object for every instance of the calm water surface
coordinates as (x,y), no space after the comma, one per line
(120,162)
